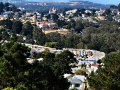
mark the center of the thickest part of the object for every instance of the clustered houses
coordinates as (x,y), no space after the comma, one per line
(5,15)
(87,61)
(48,25)
(80,54)
(45,25)
(71,12)
(100,12)
(37,4)
(35,17)
(87,15)
(98,16)
(86,56)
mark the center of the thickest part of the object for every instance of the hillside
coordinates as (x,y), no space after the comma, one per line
(37,4)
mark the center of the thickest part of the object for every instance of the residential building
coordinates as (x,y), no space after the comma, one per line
(53,10)
(77,82)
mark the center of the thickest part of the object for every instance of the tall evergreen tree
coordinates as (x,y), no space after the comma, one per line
(108,76)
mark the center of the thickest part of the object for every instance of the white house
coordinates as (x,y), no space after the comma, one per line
(78,82)
(71,11)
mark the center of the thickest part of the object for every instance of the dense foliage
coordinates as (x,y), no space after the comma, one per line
(103,37)
(107,77)
(17,73)
(7,7)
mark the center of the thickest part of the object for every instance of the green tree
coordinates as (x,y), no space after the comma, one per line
(17,27)
(8,88)
(80,72)
(44,71)
(6,5)
(21,87)
(113,7)
(27,29)
(107,12)
(48,16)
(12,64)
(16,72)
(6,23)
(38,36)
(55,17)
(1,7)
(79,26)
(107,76)
(119,7)
(64,60)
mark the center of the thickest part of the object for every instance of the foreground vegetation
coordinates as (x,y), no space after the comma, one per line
(108,76)
(17,73)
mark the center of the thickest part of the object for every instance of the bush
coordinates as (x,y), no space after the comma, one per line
(9,88)
(80,72)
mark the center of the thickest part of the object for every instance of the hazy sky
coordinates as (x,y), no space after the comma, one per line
(106,1)
(96,1)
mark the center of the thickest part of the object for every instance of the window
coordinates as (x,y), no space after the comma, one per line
(77,85)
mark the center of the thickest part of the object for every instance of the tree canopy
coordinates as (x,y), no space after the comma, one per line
(108,76)
(16,73)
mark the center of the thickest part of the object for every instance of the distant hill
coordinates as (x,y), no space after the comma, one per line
(37,4)
(12,1)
